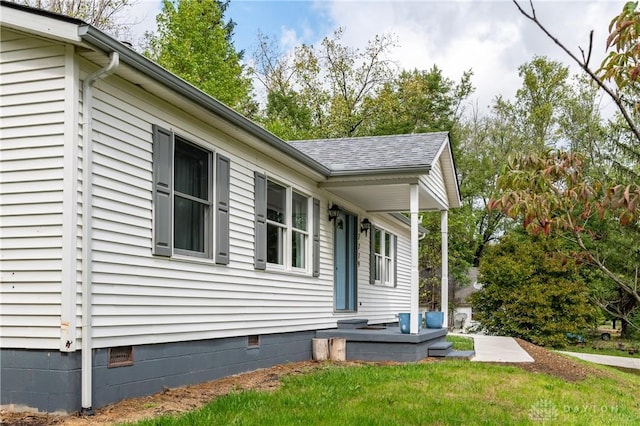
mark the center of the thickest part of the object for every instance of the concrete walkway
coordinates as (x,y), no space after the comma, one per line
(615,361)
(497,349)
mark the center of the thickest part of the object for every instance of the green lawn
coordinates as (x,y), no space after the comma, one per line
(460,343)
(441,393)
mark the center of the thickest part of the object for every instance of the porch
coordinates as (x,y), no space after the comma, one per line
(387,343)
(394,174)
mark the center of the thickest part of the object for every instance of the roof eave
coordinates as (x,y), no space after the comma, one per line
(97,38)
(414,170)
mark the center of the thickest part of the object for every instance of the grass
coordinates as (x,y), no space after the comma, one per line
(460,343)
(443,393)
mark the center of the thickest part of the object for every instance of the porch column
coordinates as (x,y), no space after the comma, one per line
(444,285)
(415,277)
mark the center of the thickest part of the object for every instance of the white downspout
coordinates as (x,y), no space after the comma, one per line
(87,226)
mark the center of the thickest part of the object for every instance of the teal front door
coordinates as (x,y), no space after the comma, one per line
(345,261)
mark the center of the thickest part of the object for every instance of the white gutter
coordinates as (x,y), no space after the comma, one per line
(87,226)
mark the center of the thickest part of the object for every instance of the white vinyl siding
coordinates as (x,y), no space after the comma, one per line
(139,298)
(32,160)
(434,181)
(379,303)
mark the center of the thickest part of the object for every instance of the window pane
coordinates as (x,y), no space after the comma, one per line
(387,244)
(387,271)
(189,224)
(275,244)
(299,204)
(298,245)
(191,170)
(377,241)
(378,270)
(276,202)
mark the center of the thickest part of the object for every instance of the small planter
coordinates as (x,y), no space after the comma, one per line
(435,319)
(404,320)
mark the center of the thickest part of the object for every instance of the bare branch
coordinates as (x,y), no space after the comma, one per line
(584,65)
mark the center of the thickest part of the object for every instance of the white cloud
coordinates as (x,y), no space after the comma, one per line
(490,37)
(288,38)
(142,16)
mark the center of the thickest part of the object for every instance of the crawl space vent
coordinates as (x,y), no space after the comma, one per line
(120,356)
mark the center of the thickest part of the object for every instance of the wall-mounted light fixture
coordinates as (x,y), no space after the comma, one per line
(334,211)
(365,225)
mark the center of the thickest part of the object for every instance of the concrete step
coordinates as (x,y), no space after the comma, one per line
(461,354)
(440,349)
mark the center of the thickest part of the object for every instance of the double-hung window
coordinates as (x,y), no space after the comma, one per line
(287,227)
(299,230)
(383,257)
(189,199)
(285,236)
(276,223)
(192,199)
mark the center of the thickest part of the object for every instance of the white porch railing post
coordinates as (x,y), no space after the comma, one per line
(415,277)
(444,285)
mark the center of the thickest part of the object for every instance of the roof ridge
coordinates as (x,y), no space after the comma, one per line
(370,137)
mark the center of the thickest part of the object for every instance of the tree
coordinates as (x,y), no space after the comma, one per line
(195,42)
(551,194)
(460,254)
(484,144)
(286,114)
(561,197)
(621,67)
(103,14)
(530,294)
(421,101)
(331,88)
(537,106)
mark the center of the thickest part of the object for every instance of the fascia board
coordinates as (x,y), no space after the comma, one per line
(42,25)
(414,170)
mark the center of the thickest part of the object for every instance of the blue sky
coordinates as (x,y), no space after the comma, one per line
(490,37)
(274,19)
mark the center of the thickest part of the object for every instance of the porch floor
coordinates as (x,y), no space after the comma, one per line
(386,344)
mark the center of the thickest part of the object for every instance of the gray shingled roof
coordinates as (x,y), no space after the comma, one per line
(371,153)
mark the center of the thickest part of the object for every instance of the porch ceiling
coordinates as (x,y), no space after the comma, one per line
(383,196)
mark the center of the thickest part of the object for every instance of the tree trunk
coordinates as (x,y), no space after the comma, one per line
(624,329)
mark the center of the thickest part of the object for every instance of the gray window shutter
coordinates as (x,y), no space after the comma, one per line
(372,255)
(260,237)
(223,172)
(316,237)
(395,260)
(162,191)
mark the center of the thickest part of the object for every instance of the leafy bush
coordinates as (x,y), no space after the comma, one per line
(531,292)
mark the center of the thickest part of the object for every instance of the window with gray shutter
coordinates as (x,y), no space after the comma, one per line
(260,232)
(316,237)
(162,191)
(223,173)
(183,194)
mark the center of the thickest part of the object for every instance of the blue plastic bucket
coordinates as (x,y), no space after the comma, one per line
(405,323)
(435,319)
(404,319)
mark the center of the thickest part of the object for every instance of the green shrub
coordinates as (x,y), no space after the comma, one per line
(531,292)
